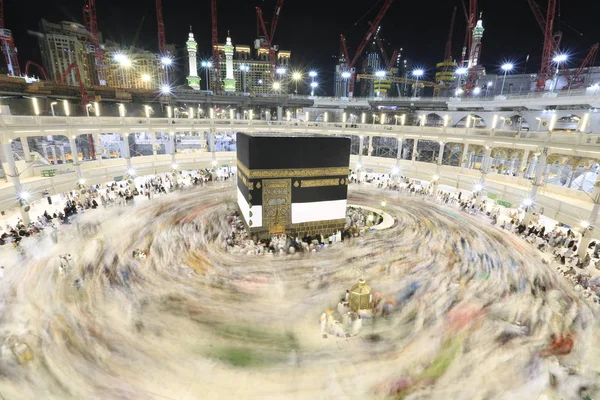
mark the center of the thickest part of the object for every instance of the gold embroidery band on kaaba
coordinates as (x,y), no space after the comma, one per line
(249,185)
(319,182)
(292,172)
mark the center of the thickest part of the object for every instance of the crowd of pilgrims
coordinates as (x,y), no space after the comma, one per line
(560,243)
(112,195)
(238,240)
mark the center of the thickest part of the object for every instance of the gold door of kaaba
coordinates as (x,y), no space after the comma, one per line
(277,204)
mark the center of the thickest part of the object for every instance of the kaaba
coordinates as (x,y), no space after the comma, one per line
(293,184)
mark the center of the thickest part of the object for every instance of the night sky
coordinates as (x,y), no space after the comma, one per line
(311,28)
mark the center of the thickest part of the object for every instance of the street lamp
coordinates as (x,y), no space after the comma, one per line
(558,59)
(505,67)
(206,65)
(66,108)
(244,68)
(165,90)
(36,106)
(276,86)
(346,76)
(313,86)
(145,78)
(166,61)
(487,87)
(296,76)
(477,91)
(417,73)
(460,73)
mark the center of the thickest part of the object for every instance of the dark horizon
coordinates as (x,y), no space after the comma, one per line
(311,29)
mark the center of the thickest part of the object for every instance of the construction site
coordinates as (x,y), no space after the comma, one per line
(74,57)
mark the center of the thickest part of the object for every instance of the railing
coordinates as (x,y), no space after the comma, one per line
(19,126)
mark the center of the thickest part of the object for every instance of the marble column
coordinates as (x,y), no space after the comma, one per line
(11,171)
(586,237)
(464,162)
(75,157)
(26,150)
(537,183)
(415,146)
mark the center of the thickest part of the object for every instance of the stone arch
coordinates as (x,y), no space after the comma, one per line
(480,121)
(515,122)
(568,122)
(434,119)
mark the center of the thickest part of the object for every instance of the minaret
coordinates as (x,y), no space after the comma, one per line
(229,79)
(475,51)
(193,79)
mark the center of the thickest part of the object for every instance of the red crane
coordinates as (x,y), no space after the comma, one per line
(448,52)
(471,21)
(38,66)
(63,80)
(8,46)
(91,24)
(590,60)
(162,42)
(215,46)
(389,62)
(268,42)
(551,40)
(363,44)
(84,97)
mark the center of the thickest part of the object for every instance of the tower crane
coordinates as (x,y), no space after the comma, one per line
(91,24)
(388,62)
(551,40)
(471,16)
(8,46)
(268,42)
(162,42)
(590,60)
(362,46)
(448,52)
(215,46)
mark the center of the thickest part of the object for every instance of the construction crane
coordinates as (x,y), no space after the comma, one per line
(162,42)
(84,97)
(362,46)
(396,79)
(551,40)
(215,47)
(589,61)
(471,15)
(8,46)
(445,74)
(448,52)
(389,62)
(91,24)
(268,42)
(38,66)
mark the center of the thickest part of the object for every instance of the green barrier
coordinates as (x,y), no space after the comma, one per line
(504,203)
(48,173)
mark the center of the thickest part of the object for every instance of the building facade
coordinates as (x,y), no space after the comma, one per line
(141,70)
(252,72)
(62,44)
